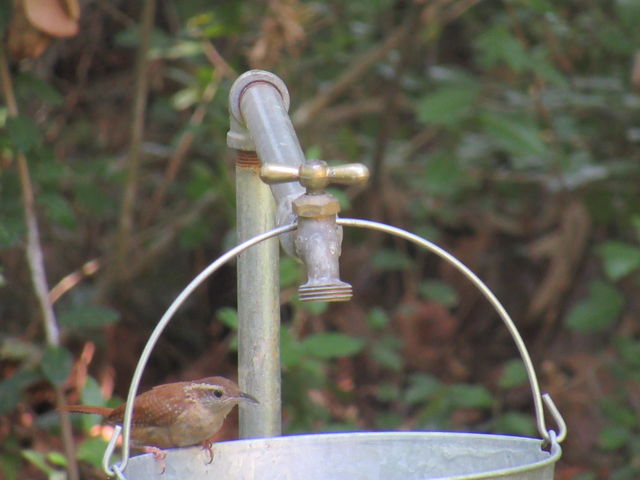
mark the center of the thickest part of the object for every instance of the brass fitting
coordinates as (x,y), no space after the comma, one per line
(318,205)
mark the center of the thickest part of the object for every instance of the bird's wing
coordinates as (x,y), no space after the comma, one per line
(158,407)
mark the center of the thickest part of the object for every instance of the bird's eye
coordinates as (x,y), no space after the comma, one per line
(217,393)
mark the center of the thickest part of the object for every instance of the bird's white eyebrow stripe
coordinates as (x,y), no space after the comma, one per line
(206,385)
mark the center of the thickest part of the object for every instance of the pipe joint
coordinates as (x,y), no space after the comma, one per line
(254,78)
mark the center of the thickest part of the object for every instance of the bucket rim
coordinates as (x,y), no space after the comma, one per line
(303,439)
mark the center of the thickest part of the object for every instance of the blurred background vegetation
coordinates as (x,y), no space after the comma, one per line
(507,132)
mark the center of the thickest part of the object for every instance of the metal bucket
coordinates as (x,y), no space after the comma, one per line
(370,456)
(359,456)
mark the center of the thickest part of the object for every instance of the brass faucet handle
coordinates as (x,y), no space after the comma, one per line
(349,174)
(271,173)
(315,175)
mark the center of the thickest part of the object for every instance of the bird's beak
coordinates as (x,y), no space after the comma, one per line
(247,397)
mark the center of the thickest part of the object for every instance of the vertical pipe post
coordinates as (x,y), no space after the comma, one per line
(260,129)
(258,302)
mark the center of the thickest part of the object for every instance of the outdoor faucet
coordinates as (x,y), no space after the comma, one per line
(266,143)
(262,134)
(318,238)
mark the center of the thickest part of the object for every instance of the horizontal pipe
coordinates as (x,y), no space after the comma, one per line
(259,102)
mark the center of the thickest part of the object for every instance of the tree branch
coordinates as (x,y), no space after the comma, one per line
(127,209)
(36,264)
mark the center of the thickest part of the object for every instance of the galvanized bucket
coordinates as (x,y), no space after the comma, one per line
(359,456)
(353,456)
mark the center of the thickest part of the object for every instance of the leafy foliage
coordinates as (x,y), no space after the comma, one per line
(506,132)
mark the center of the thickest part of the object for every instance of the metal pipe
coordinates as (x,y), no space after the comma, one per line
(260,130)
(258,303)
(258,103)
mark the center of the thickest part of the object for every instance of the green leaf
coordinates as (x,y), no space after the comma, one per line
(629,350)
(618,413)
(11,389)
(598,311)
(516,423)
(498,46)
(390,260)
(314,151)
(389,420)
(439,291)
(514,374)
(201,182)
(614,437)
(24,134)
(469,396)
(443,176)
(421,388)
(38,460)
(619,259)
(10,464)
(12,229)
(388,392)
(518,135)
(91,395)
(377,318)
(87,316)
(92,451)
(91,199)
(57,458)
(447,106)
(542,66)
(30,86)
(6,14)
(386,354)
(332,345)
(290,272)
(58,209)
(186,98)
(315,308)
(229,317)
(56,364)
(194,234)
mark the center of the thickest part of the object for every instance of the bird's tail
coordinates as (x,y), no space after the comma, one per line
(104,411)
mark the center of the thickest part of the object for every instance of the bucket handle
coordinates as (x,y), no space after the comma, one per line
(538,398)
(549,436)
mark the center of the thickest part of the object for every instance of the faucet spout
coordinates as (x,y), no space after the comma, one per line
(318,243)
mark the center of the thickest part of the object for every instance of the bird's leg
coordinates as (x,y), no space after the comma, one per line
(158,454)
(207,445)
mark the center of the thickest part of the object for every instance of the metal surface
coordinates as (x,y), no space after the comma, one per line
(258,306)
(315,175)
(318,242)
(258,103)
(360,456)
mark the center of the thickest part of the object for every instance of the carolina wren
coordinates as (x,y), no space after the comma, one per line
(177,414)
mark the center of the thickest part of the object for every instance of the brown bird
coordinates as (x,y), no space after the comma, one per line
(177,414)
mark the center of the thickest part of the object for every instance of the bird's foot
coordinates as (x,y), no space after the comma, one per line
(208,446)
(159,455)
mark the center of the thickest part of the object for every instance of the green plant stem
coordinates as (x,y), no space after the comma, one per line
(36,263)
(127,209)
